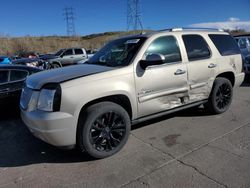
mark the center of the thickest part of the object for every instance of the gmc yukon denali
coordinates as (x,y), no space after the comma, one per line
(130,80)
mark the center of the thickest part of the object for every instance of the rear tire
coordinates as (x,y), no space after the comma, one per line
(103,129)
(221,96)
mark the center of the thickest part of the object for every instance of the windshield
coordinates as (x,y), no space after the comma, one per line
(118,53)
(59,52)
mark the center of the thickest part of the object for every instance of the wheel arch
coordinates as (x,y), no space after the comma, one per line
(228,75)
(56,62)
(119,99)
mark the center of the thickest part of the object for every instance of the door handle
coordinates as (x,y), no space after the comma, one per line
(212,65)
(179,72)
(71,57)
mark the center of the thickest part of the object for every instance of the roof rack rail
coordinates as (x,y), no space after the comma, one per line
(191,28)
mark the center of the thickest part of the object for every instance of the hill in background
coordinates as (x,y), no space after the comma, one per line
(12,46)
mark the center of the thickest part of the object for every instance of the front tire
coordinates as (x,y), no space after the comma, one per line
(55,66)
(103,129)
(221,96)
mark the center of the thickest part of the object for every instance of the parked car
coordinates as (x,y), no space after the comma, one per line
(12,78)
(5,60)
(247,64)
(29,54)
(244,44)
(65,57)
(32,62)
(128,81)
(90,54)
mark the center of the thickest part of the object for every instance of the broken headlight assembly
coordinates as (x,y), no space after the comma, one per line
(50,98)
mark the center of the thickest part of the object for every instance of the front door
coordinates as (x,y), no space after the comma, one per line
(162,87)
(68,57)
(79,55)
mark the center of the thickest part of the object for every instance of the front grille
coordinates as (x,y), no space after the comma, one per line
(25,97)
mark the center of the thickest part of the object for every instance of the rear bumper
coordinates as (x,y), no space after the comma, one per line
(239,78)
(56,128)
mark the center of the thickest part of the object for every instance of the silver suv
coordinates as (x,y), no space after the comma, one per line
(131,80)
(65,57)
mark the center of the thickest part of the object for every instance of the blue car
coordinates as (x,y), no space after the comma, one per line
(4,60)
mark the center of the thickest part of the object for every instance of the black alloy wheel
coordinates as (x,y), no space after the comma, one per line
(223,96)
(220,97)
(103,129)
(107,131)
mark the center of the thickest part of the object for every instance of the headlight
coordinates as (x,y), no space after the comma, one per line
(50,98)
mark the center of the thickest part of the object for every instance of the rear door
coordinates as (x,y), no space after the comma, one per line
(79,55)
(201,68)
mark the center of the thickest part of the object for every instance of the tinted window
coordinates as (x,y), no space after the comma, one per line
(68,52)
(166,46)
(225,44)
(118,52)
(4,75)
(196,47)
(17,75)
(78,51)
(242,43)
(59,52)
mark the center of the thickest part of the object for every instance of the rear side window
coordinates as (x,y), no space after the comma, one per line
(166,46)
(78,51)
(17,75)
(225,44)
(196,46)
(4,76)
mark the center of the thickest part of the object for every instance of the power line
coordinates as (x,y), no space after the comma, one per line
(69,17)
(134,15)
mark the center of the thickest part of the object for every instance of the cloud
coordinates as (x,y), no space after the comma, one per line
(232,19)
(231,24)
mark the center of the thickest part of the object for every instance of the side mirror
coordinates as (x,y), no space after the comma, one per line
(152,59)
(61,55)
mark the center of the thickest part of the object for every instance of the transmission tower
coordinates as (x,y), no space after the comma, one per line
(69,17)
(134,15)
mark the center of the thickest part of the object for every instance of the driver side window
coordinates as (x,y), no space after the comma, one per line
(68,52)
(167,46)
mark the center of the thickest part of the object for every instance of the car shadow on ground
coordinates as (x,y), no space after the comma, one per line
(191,112)
(19,147)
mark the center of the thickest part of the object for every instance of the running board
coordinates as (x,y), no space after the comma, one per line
(153,116)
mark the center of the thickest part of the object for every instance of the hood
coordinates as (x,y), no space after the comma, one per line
(48,57)
(25,60)
(38,80)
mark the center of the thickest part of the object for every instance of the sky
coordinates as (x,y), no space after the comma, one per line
(45,17)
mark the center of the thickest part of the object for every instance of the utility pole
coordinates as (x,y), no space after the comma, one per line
(69,17)
(134,15)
